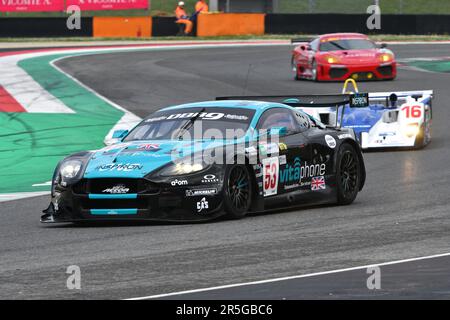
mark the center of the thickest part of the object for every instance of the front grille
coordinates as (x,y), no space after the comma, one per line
(98,186)
(363,76)
(385,70)
(336,73)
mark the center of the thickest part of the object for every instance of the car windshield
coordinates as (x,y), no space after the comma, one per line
(194,123)
(347,44)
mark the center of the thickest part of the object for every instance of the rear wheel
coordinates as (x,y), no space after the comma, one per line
(238,191)
(348,174)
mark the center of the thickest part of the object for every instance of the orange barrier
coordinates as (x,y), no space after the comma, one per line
(130,27)
(226,24)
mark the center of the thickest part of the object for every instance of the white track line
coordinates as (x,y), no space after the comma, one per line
(288,278)
(21,195)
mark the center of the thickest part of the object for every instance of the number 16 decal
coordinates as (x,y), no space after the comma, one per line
(270,172)
(413,111)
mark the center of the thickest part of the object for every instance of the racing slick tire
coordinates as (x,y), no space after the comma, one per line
(238,190)
(295,70)
(348,174)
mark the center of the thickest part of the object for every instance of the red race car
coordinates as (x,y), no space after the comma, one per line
(339,56)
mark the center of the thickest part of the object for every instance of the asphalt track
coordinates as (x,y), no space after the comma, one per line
(403,211)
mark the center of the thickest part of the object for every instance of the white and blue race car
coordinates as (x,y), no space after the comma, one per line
(400,119)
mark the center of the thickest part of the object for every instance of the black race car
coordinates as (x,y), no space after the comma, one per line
(199,161)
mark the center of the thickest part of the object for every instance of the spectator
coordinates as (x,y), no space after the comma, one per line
(182,18)
(201,7)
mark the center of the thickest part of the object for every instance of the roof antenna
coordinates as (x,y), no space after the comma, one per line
(246,79)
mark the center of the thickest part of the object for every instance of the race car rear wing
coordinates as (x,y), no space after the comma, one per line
(389,98)
(354,100)
(301,40)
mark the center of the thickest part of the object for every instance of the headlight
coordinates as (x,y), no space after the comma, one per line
(332,60)
(70,169)
(411,130)
(386,57)
(184,166)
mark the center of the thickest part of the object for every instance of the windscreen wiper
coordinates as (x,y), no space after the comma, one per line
(189,123)
(338,45)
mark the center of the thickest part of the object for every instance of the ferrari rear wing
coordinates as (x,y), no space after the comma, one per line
(301,40)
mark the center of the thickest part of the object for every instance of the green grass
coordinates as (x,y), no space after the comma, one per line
(167,7)
(242,37)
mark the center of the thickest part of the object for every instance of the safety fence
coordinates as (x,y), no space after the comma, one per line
(223,24)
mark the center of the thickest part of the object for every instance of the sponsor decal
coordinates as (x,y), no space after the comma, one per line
(305,183)
(268,148)
(270,172)
(200,192)
(317,183)
(108,4)
(177,182)
(189,115)
(282,146)
(119,189)
(120,167)
(31,6)
(291,173)
(209,178)
(149,147)
(344,136)
(387,134)
(308,171)
(331,142)
(202,204)
(236,117)
(282,160)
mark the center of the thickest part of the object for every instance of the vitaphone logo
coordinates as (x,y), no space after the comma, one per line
(291,173)
(295,172)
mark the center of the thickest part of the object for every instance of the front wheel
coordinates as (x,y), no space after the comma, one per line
(348,174)
(295,69)
(314,71)
(237,191)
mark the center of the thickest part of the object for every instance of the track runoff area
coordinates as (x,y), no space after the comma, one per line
(42,103)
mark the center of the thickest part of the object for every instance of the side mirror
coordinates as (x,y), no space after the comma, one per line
(118,134)
(115,138)
(303,48)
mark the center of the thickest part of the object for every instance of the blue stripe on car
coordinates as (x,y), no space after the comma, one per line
(113,196)
(111,212)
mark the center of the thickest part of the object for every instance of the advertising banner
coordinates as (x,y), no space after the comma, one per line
(108,4)
(31,5)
